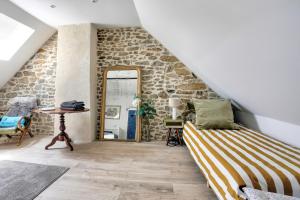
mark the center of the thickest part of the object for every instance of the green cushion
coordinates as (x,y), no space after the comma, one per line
(214,114)
(8,131)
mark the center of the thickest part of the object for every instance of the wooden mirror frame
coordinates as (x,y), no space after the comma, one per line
(138,134)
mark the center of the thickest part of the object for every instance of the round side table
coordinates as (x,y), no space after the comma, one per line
(62,136)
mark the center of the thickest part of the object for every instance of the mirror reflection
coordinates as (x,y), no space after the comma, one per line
(120,114)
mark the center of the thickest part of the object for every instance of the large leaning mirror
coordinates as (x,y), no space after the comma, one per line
(119,119)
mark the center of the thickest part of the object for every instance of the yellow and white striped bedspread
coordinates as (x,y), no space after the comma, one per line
(233,159)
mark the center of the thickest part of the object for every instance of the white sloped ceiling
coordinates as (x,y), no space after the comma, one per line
(101,12)
(41,34)
(248,51)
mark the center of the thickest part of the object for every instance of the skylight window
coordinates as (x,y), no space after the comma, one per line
(13,35)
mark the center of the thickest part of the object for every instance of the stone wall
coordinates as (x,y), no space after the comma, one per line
(35,78)
(163,75)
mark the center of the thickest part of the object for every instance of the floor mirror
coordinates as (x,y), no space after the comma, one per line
(119,118)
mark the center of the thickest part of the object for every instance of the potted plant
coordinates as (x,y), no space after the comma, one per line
(146,112)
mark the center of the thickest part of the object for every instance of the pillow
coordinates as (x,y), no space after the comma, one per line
(10,122)
(30,102)
(18,110)
(21,106)
(214,114)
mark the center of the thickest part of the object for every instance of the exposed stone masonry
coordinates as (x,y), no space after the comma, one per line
(163,75)
(35,78)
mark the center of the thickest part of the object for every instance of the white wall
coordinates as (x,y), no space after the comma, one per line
(244,50)
(121,96)
(283,131)
(42,34)
(93,81)
(75,78)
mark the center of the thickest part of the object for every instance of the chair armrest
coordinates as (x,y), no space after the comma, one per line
(26,124)
(2,111)
(19,125)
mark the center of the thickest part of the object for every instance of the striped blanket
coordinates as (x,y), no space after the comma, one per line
(233,159)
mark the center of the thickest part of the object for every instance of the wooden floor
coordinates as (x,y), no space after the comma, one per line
(116,170)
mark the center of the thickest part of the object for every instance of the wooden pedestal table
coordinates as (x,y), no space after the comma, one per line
(62,136)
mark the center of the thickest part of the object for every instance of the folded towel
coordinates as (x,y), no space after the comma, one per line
(72,106)
(72,109)
(73,103)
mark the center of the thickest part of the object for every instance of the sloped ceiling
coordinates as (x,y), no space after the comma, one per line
(102,12)
(41,34)
(30,12)
(245,50)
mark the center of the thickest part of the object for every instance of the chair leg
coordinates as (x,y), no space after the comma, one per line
(23,133)
(9,136)
(30,134)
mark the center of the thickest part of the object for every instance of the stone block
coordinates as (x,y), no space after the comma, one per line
(168,58)
(163,95)
(192,86)
(182,71)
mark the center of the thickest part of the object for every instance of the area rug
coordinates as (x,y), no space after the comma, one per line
(25,181)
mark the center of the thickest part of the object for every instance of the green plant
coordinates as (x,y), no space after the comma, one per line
(147,110)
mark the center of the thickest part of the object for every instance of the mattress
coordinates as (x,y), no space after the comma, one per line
(234,159)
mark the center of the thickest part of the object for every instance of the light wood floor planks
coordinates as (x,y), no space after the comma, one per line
(116,170)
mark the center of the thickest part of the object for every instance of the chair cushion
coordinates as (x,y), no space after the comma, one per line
(8,131)
(7,121)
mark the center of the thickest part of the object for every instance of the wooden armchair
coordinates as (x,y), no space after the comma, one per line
(19,107)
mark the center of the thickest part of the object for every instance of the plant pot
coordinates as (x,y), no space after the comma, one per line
(146,129)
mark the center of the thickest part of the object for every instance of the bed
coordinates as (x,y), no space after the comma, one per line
(234,159)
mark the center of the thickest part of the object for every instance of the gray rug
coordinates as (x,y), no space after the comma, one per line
(25,181)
